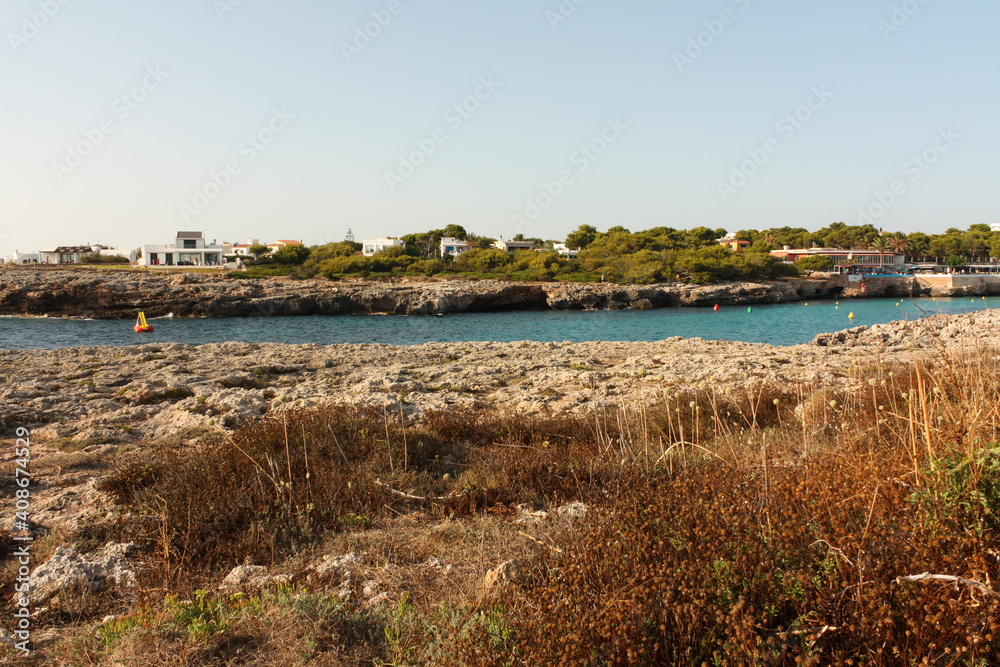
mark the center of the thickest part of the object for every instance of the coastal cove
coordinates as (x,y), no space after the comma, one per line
(774,324)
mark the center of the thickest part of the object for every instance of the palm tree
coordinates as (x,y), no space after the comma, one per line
(881,244)
(899,244)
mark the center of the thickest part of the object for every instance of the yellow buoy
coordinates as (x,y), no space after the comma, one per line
(851,316)
(807,303)
(836,307)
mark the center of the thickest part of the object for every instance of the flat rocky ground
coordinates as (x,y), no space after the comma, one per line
(105,396)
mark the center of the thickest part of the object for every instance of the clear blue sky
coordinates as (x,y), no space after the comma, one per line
(679,127)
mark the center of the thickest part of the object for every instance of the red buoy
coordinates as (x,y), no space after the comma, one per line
(716,307)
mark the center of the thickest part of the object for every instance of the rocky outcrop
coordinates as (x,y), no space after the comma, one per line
(67,570)
(122,294)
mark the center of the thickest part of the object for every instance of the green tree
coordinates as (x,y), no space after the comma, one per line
(291,254)
(258,250)
(814,263)
(899,243)
(581,238)
(481,260)
(703,236)
(919,244)
(454,231)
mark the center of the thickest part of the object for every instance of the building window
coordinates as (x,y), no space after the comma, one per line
(190,243)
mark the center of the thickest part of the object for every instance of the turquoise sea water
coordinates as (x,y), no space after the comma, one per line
(782,324)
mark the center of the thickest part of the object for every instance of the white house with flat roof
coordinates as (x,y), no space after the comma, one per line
(511,246)
(452,246)
(188,249)
(371,246)
(18,257)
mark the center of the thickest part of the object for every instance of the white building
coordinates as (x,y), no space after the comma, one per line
(281,243)
(511,246)
(371,246)
(995,227)
(66,254)
(243,249)
(188,249)
(452,246)
(839,256)
(19,257)
(563,250)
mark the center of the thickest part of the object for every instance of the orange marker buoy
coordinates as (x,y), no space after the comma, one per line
(716,307)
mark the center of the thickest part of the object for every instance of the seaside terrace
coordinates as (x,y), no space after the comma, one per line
(840,256)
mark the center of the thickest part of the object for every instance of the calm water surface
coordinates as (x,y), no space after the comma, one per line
(781,324)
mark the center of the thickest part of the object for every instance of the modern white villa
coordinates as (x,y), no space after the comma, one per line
(188,249)
(371,246)
(511,246)
(454,247)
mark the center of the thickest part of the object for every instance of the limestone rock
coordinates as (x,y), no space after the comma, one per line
(251,577)
(67,570)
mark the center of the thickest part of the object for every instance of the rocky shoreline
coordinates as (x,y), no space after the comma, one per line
(89,408)
(105,396)
(104,294)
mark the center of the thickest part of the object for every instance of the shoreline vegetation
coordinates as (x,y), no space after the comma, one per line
(670,502)
(660,254)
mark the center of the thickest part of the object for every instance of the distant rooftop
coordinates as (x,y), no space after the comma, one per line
(190,235)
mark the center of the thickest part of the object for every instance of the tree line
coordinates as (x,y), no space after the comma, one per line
(659,254)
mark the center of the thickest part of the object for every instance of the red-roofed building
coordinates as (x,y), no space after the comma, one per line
(281,243)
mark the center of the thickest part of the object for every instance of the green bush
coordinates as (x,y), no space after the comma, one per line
(814,263)
(94,258)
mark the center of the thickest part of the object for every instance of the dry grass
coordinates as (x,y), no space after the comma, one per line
(753,525)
